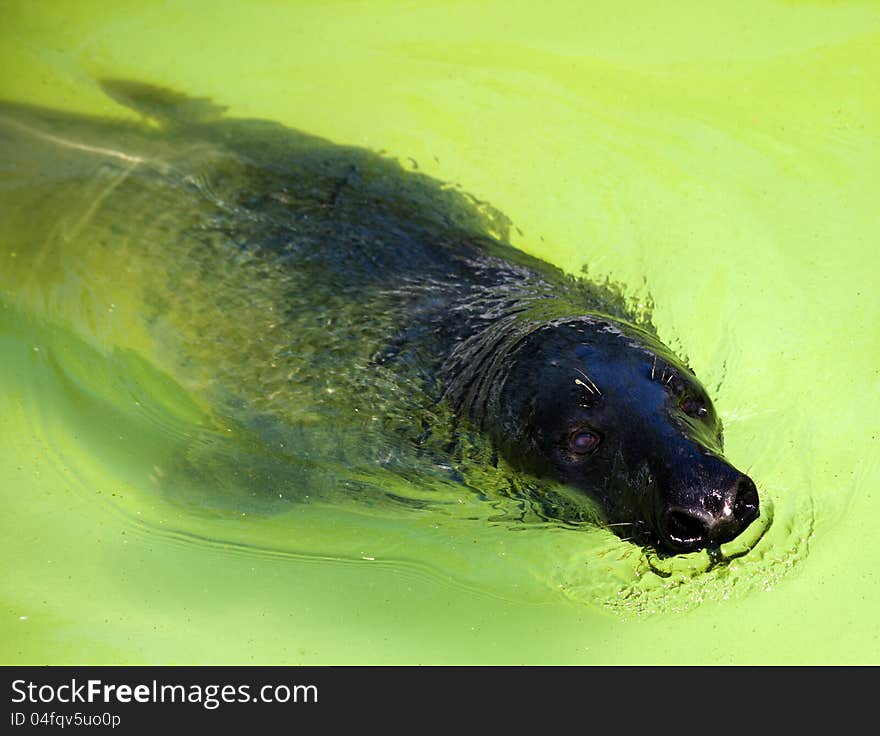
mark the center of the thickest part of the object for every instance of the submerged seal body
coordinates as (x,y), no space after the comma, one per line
(404,291)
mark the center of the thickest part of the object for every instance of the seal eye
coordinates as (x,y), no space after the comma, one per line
(583,442)
(693,407)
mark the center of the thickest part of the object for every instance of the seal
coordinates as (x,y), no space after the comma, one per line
(406,292)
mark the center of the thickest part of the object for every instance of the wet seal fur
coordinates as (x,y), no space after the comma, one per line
(415,285)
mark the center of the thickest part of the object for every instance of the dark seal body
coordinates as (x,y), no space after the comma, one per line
(400,320)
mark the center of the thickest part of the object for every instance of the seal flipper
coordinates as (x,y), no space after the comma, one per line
(161,105)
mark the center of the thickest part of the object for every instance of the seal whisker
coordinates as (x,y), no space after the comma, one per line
(653,367)
(592,388)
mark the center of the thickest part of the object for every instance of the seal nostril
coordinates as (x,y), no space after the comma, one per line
(746,504)
(683,527)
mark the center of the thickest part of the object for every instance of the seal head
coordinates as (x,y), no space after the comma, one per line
(605,408)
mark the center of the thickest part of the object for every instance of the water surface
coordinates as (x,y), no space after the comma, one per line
(719,162)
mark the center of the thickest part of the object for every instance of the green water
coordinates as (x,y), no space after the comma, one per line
(720,159)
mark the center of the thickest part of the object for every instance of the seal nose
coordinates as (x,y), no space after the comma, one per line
(716,516)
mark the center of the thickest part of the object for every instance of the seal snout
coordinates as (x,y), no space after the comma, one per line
(711,518)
